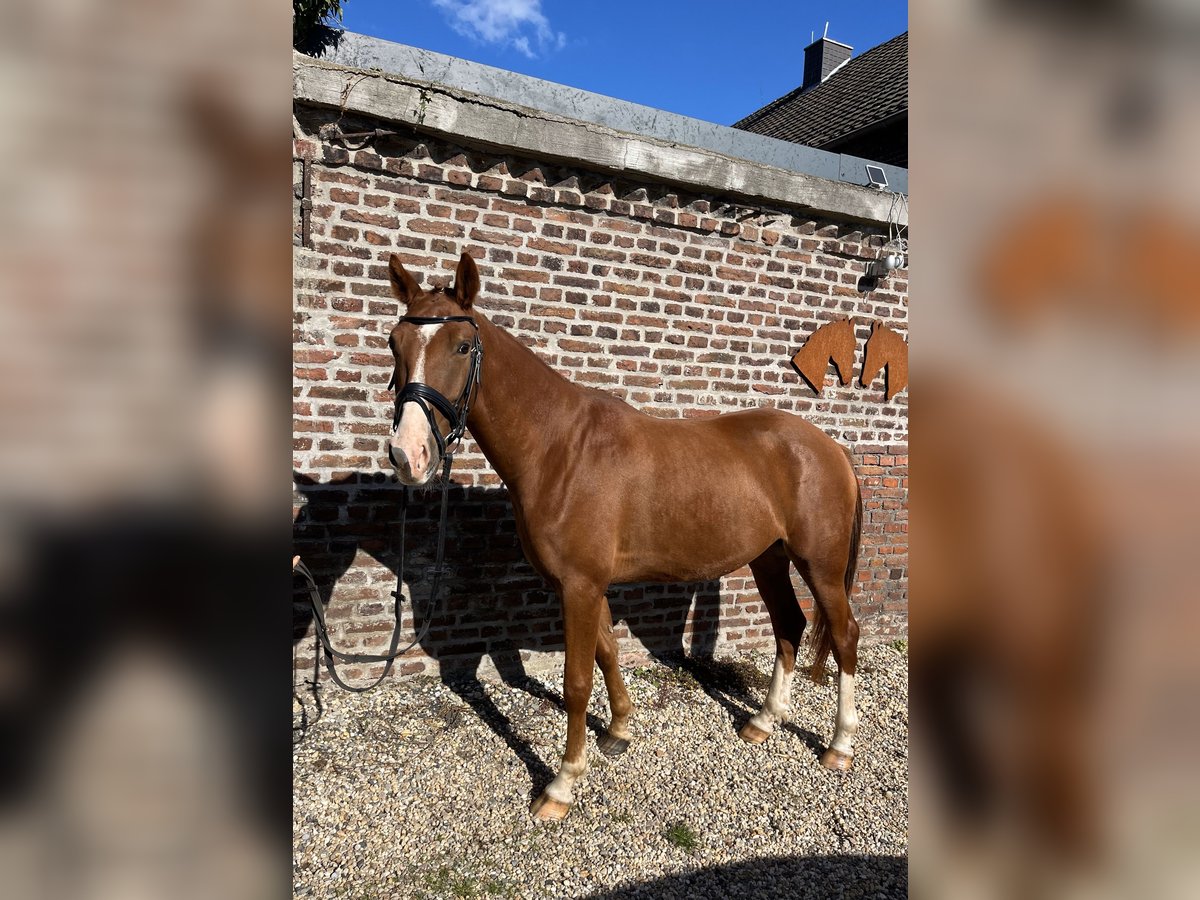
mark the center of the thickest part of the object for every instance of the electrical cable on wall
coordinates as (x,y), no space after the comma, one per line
(894,253)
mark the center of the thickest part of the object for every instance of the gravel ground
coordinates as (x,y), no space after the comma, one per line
(421,790)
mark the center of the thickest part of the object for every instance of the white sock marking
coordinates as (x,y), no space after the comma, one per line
(568,773)
(779,698)
(847,716)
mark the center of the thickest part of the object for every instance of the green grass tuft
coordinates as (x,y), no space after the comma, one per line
(495,887)
(681,835)
(446,882)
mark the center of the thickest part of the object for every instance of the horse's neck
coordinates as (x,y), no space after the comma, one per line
(519,414)
(843,351)
(879,351)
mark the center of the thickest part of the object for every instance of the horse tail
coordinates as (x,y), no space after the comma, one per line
(855,533)
(822,639)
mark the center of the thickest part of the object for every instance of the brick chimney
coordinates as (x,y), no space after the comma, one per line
(821,57)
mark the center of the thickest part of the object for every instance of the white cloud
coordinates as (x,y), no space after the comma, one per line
(519,24)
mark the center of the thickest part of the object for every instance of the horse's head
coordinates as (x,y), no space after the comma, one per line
(874,357)
(438,358)
(842,348)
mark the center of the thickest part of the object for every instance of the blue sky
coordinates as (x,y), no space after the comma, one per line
(713,59)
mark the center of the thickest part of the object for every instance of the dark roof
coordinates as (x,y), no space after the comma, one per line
(866,90)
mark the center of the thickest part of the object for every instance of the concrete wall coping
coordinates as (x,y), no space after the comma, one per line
(431,105)
(363,52)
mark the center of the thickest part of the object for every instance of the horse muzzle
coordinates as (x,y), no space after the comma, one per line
(412,450)
(413,473)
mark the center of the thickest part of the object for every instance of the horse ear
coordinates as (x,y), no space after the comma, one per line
(466,282)
(404,286)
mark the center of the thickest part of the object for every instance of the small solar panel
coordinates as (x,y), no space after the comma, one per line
(876,177)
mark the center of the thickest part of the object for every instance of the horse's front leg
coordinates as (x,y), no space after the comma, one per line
(581,604)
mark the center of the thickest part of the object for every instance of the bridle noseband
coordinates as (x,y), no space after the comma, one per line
(429,399)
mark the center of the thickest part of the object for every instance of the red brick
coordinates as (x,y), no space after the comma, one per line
(495,237)
(368,218)
(426,226)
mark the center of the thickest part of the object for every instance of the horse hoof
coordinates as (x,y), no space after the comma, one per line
(546,809)
(752,734)
(836,760)
(612,746)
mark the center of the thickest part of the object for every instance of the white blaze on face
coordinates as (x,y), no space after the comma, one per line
(413,439)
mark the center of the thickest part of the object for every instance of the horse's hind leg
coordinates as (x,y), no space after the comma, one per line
(775,587)
(836,629)
(615,740)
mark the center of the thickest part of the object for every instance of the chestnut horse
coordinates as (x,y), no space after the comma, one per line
(603,494)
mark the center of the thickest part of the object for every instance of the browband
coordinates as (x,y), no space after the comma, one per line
(433,320)
(438,320)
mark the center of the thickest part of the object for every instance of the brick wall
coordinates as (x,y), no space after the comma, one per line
(681,304)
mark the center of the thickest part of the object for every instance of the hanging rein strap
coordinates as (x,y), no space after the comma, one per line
(434,572)
(428,399)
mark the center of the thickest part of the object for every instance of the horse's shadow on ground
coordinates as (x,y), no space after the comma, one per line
(492,602)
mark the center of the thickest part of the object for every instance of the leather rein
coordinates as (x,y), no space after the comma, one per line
(428,399)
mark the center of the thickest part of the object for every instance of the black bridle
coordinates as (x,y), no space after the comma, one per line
(429,399)
(456,413)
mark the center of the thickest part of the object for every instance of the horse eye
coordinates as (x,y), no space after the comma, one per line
(464,348)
